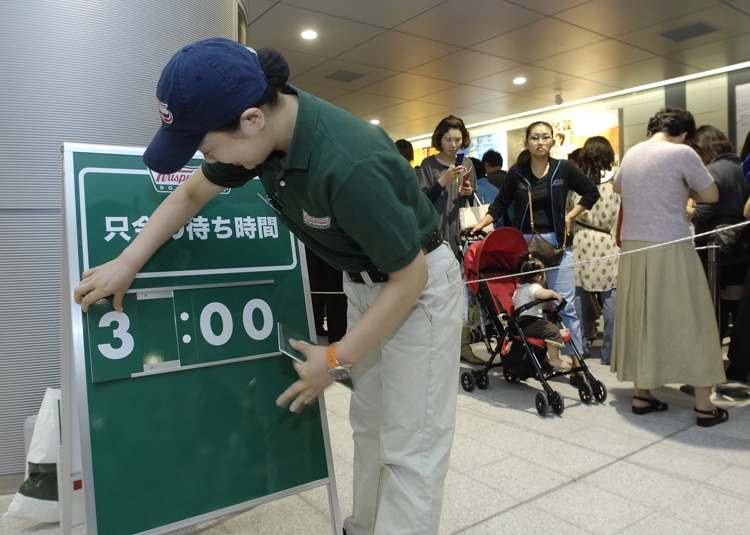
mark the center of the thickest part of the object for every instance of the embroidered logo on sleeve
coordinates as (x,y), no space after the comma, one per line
(316,222)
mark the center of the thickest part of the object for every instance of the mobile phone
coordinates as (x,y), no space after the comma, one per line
(459,160)
(465,182)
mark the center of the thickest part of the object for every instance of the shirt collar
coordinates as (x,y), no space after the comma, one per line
(302,139)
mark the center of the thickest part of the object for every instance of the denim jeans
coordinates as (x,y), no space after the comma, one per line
(608,299)
(563,281)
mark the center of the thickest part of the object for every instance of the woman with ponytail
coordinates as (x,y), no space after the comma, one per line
(339,184)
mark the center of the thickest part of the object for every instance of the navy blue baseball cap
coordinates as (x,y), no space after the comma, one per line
(205,86)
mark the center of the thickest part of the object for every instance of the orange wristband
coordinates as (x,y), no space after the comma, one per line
(331,356)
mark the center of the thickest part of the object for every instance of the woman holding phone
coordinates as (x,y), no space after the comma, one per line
(449,181)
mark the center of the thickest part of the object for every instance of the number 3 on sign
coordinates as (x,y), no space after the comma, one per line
(121,333)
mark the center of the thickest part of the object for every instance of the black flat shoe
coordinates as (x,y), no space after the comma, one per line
(577,380)
(719,417)
(654,405)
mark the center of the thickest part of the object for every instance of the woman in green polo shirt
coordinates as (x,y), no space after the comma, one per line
(341,186)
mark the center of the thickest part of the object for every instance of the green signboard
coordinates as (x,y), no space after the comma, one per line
(177,393)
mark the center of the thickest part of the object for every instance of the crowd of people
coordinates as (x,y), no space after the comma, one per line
(394,236)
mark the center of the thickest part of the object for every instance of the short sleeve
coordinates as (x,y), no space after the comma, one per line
(696,175)
(226,175)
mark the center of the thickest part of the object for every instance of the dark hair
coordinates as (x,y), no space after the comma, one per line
(447,124)
(597,155)
(405,149)
(532,125)
(523,156)
(276,69)
(562,136)
(573,156)
(673,121)
(532,264)
(745,148)
(494,158)
(710,143)
(479,169)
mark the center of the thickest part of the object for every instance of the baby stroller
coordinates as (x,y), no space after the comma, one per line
(521,357)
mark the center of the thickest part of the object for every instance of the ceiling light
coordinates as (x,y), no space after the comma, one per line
(520,80)
(375,121)
(309,34)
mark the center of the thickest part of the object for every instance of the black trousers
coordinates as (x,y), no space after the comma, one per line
(324,278)
(739,345)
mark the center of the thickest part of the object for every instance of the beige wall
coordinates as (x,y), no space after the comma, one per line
(708,101)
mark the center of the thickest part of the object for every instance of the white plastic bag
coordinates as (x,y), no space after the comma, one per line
(37,498)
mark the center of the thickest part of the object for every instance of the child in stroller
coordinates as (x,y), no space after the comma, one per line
(531,321)
(491,266)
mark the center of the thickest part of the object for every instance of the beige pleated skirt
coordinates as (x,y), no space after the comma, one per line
(665,326)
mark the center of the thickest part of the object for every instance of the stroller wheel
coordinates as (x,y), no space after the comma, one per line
(584,392)
(510,377)
(600,391)
(556,402)
(467,382)
(482,380)
(542,407)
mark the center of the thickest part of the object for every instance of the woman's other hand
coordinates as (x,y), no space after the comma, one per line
(313,377)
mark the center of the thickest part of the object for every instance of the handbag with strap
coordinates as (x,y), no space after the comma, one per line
(469,216)
(540,248)
(734,244)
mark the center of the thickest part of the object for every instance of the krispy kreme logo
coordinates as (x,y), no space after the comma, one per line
(166,183)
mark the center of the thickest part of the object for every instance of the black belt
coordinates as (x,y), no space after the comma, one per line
(590,227)
(378,276)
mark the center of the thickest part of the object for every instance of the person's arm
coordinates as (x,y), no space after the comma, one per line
(398,296)
(545,293)
(708,195)
(588,191)
(499,206)
(116,276)
(434,190)
(746,213)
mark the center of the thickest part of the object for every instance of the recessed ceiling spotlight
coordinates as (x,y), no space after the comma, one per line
(520,80)
(375,121)
(309,34)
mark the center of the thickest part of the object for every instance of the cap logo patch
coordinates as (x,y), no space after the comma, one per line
(164,112)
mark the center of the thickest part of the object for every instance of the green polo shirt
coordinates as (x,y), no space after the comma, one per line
(347,192)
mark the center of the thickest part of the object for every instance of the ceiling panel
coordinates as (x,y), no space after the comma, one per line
(398,51)
(371,74)
(715,55)
(530,43)
(467,22)
(535,77)
(460,56)
(465,66)
(573,89)
(463,95)
(642,73)
(618,17)
(728,21)
(335,35)
(414,109)
(594,58)
(326,93)
(384,13)
(509,105)
(363,103)
(408,86)
(549,7)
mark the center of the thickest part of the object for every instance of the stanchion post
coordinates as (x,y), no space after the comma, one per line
(713,278)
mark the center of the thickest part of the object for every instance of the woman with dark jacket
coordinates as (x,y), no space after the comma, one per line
(549,181)
(717,154)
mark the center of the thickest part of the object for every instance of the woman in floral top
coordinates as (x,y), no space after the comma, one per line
(594,237)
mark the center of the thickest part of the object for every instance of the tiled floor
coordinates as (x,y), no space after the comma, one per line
(596,469)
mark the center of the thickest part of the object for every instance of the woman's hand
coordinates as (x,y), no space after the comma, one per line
(486,220)
(568,223)
(451,174)
(113,278)
(467,190)
(313,377)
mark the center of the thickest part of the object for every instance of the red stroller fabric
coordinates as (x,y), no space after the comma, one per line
(500,251)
